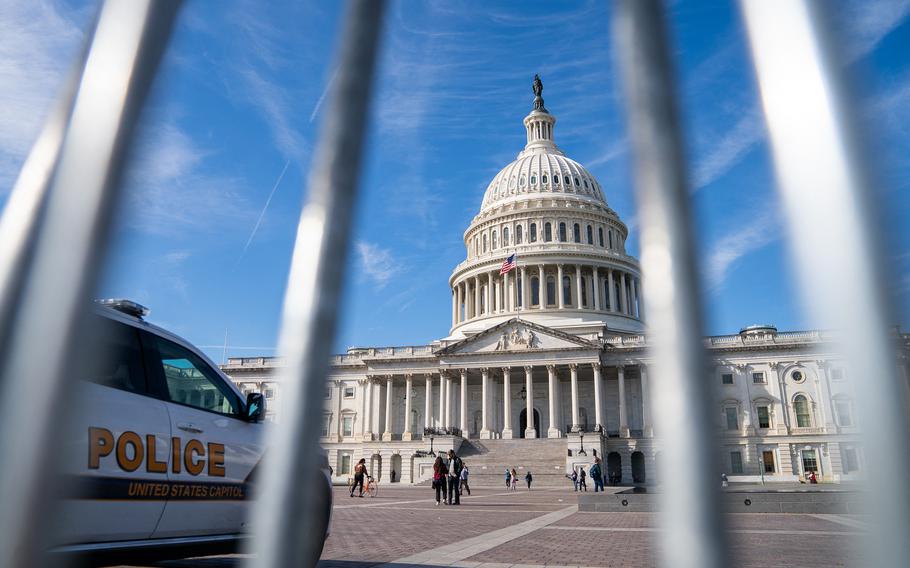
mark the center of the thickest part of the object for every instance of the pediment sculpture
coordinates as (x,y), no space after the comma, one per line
(517,339)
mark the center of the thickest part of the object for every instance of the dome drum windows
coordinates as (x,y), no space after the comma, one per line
(533,179)
(577,184)
(591,235)
(600,235)
(547,232)
(566,180)
(518,235)
(535,291)
(543,179)
(505,236)
(566,290)
(551,291)
(576,233)
(484,243)
(494,240)
(532,233)
(562,232)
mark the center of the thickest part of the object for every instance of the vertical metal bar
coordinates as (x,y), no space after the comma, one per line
(682,398)
(834,235)
(285,513)
(59,250)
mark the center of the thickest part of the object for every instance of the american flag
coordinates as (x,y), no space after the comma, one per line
(508,264)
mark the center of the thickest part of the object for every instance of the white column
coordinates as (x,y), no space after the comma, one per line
(506,294)
(464,403)
(578,286)
(560,301)
(633,308)
(387,433)
(613,306)
(641,301)
(440,414)
(525,289)
(363,407)
(408,385)
(460,300)
(573,374)
(530,431)
(541,288)
(428,404)
(448,412)
(595,288)
(622,293)
(454,305)
(368,417)
(623,420)
(339,394)
(598,397)
(485,406)
(507,404)
(553,431)
(489,293)
(648,431)
(477,296)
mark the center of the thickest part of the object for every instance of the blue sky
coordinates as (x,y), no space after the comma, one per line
(214,190)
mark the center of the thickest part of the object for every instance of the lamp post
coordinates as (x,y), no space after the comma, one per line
(432,453)
(581,451)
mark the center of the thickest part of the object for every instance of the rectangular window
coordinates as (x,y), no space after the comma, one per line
(345,467)
(764,417)
(837,374)
(532,233)
(736,462)
(844,414)
(727,378)
(348,392)
(767,459)
(758,378)
(810,463)
(347,426)
(851,463)
(732,419)
(326,425)
(269,392)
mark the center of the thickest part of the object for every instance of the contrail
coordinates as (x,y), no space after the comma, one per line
(262,213)
(322,96)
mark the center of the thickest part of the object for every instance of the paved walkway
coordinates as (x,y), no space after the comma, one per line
(498,529)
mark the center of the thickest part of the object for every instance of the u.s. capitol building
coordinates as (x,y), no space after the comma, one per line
(555,349)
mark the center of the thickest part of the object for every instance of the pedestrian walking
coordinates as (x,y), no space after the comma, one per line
(464,478)
(581,479)
(529,479)
(723,480)
(508,478)
(439,479)
(574,478)
(597,475)
(360,471)
(454,466)
(514,479)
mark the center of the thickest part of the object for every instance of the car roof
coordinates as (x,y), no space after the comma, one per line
(139,323)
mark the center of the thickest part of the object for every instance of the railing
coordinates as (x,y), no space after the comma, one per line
(583,429)
(58,216)
(441,432)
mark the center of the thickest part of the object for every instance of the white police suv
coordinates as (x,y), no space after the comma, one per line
(163,453)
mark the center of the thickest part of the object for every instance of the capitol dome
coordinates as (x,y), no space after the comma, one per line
(572,272)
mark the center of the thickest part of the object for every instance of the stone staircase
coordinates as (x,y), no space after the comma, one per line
(487,461)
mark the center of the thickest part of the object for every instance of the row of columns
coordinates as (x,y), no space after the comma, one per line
(447,390)
(477,295)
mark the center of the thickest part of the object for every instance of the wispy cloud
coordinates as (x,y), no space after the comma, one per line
(377,263)
(869,22)
(743,240)
(38,42)
(732,147)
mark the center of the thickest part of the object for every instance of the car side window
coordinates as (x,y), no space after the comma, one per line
(191,381)
(111,355)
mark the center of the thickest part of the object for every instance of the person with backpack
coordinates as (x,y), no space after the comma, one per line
(528,478)
(597,475)
(454,465)
(508,478)
(439,479)
(464,478)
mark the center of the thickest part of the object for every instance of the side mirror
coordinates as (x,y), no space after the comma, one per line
(255,407)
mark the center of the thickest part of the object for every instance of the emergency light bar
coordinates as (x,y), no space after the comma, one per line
(127,307)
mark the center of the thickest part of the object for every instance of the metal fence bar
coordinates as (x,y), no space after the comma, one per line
(828,198)
(682,397)
(284,516)
(60,248)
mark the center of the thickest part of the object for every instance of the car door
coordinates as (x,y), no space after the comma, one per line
(214,448)
(117,446)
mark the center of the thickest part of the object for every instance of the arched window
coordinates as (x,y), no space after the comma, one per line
(610,234)
(802,411)
(556,180)
(522,182)
(576,233)
(544,179)
(551,291)
(547,232)
(584,292)
(484,243)
(590,235)
(535,291)
(607,305)
(518,235)
(532,233)
(576,182)
(586,184)
(533,180)
(505,236)
(495,240)
(566,179)
(600,235)
(562,232)
(566,290)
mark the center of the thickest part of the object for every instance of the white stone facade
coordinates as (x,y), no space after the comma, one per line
(560,340)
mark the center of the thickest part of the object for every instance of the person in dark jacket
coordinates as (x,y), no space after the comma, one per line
(581,479)
(454,466)
(529,479)
(597,475)
(440,472)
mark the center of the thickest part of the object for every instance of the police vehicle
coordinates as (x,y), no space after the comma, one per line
(163,452)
